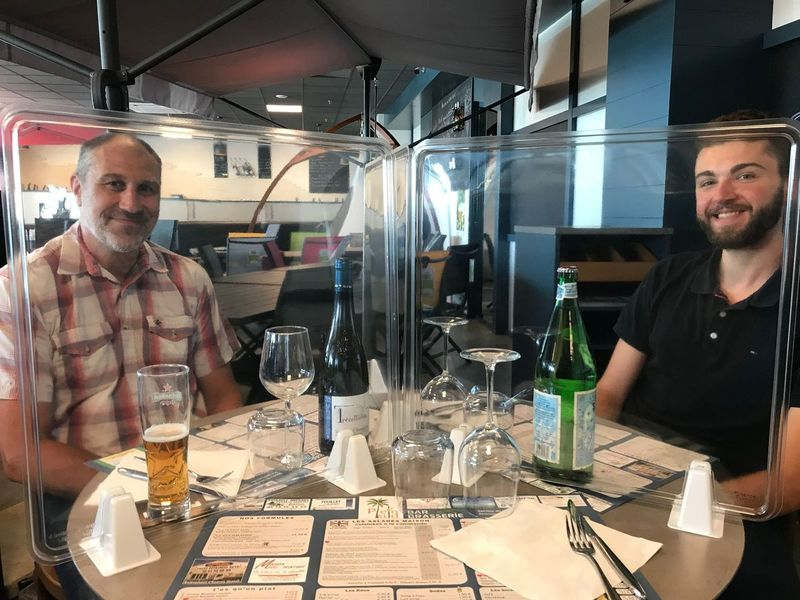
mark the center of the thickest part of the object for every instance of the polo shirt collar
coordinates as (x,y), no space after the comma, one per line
(705,281)
(75,257)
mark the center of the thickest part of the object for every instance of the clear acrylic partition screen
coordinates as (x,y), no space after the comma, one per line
(699,374)
(261,212)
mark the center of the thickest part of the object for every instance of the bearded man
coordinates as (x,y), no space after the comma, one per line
(697,341)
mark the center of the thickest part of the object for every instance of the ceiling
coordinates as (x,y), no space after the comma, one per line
(307,54)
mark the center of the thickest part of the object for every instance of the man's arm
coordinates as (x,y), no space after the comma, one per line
(220,390)
(614,386)
(63,469)
(749,490)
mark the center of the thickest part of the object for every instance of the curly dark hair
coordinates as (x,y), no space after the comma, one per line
(777,147)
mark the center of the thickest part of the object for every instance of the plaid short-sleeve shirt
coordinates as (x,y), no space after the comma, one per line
(92,332)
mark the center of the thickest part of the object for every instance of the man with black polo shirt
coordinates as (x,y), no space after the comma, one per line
(697,342)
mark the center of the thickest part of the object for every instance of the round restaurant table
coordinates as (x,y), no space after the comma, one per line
(686,566)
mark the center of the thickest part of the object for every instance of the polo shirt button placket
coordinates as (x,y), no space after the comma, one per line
(713,335)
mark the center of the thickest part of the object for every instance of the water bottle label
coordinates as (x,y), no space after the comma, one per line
(546,426)
(583,433)
(567,290)
(347,412)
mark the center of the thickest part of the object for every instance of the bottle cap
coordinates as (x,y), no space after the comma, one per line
(342,273)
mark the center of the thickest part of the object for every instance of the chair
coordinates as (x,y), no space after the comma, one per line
(274,253)
(317,249)
(164,233)
(490,260)
(46,229)
(451,295)
(245,252)
(306,299)
(211,261)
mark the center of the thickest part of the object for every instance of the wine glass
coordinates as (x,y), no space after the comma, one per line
(286,371)
(444,392)
(489,460)
(287,364)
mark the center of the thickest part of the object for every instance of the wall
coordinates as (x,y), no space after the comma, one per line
(638,93)
(189,189)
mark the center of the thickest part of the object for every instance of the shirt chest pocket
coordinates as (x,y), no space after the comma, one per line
(86,353)
(169,339)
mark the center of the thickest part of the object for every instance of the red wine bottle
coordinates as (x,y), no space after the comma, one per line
(344,379)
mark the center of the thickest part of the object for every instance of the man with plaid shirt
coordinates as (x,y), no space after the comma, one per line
(105,302)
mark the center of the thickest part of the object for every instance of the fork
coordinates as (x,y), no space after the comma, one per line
(201,478)
(583,545)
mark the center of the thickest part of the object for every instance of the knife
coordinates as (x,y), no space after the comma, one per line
(627,577)
(136,474)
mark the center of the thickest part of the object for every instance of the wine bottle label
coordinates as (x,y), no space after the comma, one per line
(567,290)
(583,432)
(546,426)
(346,412)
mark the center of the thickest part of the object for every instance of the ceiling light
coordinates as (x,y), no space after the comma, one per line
(284,108)
(174,132)
(281,96)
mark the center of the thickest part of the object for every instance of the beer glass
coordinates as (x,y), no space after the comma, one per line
(165,408)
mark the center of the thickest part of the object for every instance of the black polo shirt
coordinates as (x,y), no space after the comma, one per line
(709,370)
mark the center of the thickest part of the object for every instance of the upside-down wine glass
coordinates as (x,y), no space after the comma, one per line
(443,393)
(489,460)
(286,371)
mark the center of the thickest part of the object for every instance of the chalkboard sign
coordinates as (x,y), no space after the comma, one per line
(264,162)
(329,174)
(456,105)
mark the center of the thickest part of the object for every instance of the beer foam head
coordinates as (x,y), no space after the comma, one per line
(166,432)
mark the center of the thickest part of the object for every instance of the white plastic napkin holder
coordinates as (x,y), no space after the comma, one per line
(350,465)
(694,511)
(117,542)
(457,436)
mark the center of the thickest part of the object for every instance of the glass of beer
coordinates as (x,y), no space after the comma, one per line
(165,407)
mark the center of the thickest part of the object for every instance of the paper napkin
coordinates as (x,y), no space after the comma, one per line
(206,462)
(528,551)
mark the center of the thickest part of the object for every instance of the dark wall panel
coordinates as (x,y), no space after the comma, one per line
(718,65)
(784,89)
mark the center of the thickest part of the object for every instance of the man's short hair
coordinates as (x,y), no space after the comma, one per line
(777,147)
(86,153)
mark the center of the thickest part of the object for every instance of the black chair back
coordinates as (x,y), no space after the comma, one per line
(306,299)
(46,229)
(211,261)
(455,279)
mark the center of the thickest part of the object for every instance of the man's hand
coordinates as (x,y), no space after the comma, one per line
(614,386)
(220,390)
(63,469)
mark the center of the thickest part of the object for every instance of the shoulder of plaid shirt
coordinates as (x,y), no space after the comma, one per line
(62,459)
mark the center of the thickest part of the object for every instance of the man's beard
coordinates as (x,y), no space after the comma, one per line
(120,242)
(760,224)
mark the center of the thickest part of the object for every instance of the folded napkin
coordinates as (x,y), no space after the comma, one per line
(528,551)
(136,487)
(219,462)
(206,462)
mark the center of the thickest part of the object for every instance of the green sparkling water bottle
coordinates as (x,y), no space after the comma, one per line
(564,389)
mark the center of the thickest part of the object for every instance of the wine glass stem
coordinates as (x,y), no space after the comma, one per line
(490,393)
(287,401)
(446,338)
